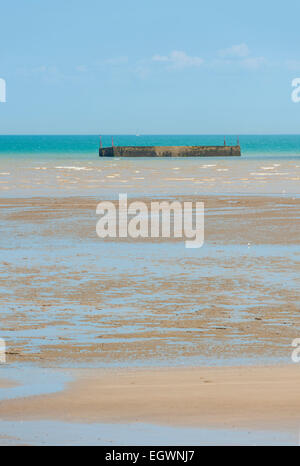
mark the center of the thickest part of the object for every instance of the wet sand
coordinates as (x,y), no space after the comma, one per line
(6,383)
(233,397)
(67,295)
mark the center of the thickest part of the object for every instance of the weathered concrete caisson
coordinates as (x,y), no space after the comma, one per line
(170,151)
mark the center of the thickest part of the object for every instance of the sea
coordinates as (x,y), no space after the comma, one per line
(68,165)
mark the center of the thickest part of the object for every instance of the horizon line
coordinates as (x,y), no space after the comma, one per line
(150,134)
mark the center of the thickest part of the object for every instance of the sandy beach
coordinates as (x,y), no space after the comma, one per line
(259,398)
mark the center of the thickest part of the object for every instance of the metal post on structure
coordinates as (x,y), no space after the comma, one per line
(100,142)
(238,141)
(224,141)
(112,141)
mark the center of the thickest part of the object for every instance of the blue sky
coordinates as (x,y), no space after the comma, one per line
(155,67)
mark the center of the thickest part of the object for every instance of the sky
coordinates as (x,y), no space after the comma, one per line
(149,67)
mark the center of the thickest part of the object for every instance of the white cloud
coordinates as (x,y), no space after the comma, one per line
(253,63)
(240,55)
(236,51)
(178,59)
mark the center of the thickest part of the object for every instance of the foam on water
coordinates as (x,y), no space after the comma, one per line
(34,164)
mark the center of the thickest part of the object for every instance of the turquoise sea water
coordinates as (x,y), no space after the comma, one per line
(76,146)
